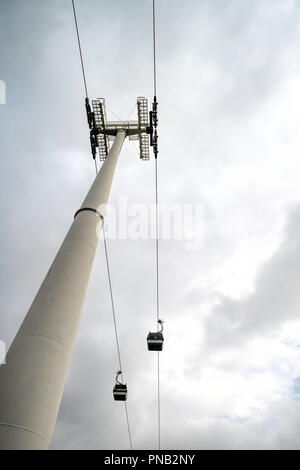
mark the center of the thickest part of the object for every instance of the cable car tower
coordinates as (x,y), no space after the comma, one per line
(102,131)
(33,378)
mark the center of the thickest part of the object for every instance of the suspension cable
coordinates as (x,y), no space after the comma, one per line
(157,300)
(157,307)
(116,331)
(133,109)
(156,223)
(154,46)
(80,50)
(105,246)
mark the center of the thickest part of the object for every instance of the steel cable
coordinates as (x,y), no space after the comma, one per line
(80,50)
(156,224)
(104,238)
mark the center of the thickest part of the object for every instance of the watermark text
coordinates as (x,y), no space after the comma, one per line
(137,221)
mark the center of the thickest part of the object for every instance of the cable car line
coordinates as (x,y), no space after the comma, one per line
(153,118)
(112,302)
(123,396)
(154,46)
(112,112)
(155,342)
(120,389)
(116,331)
(80,50)
(156,241)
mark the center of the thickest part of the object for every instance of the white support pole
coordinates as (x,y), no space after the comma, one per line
(33,378)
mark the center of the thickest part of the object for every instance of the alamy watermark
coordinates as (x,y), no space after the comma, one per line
(2,92)
(137,221)
(2,352)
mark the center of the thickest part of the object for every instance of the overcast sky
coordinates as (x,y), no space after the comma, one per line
(229,93)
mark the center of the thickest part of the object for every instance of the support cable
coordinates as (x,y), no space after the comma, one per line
(116,329)
(105,246)
(157,307)
(156,218)
(80,50)
(154,46)
(133,109)
(112,303)
(157,300)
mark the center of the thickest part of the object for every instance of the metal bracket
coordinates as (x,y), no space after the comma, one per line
(103,131)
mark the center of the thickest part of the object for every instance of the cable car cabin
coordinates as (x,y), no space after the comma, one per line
(120,392)
(155,341)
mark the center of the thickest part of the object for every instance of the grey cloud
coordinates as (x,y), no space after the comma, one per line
(218,62)
(274,301)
